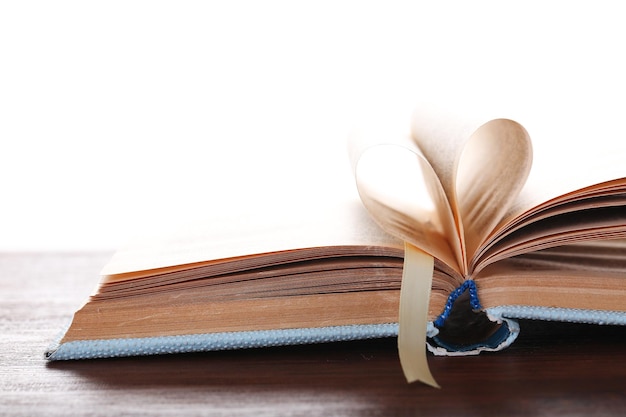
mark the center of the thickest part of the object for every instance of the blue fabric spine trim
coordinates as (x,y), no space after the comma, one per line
(571,315)
(468,285)
(107,348)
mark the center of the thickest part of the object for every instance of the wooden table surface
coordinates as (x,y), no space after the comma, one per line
(552,369)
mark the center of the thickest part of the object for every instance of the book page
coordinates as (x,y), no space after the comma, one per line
(402,193)
(574,145)
(453,185)
(571,153)
(441,133)
(482,163)
(589,275)
(252,232)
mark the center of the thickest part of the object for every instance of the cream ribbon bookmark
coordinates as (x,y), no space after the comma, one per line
(417,277)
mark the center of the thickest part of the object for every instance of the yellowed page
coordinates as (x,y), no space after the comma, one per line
(589,275)
(444,188)
(403,194)
(611,224)
(482,163)
(577,142)
(572,151)
(574,145)
(253,231)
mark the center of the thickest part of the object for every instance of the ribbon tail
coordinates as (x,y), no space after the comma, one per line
(417,277)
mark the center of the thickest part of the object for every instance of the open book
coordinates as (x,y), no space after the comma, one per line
(508,241)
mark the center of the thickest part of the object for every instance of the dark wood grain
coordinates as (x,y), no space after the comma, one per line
(553,368)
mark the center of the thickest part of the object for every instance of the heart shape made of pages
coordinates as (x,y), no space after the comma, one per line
(404,194)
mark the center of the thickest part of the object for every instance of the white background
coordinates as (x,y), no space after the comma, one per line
(119,116)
